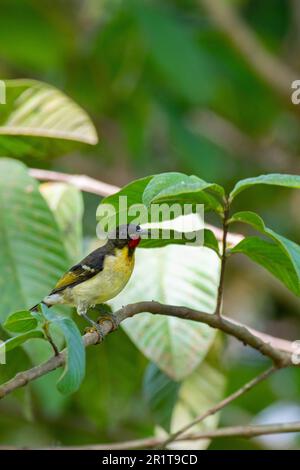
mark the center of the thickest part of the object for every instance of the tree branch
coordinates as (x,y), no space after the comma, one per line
(83,182)
(219,406)
(154,442)
(240,332)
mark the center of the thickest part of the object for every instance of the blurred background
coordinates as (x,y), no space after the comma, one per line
(171,85)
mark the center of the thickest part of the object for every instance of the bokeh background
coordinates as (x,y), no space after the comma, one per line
(171,85)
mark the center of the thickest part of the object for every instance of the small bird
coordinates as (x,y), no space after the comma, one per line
(100,276)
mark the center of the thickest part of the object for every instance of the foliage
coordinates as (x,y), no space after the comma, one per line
(170,98)
(31,248)
(35,115)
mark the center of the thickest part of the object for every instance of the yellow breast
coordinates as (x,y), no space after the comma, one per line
(109,282)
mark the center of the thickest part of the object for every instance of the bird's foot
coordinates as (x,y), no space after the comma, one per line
(94,328)
(111,318)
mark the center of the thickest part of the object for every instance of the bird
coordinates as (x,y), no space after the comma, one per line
(98,277)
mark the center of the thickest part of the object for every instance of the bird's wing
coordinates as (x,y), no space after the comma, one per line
(86,269)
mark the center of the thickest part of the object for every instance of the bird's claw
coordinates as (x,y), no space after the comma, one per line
(95,329)
(111,318)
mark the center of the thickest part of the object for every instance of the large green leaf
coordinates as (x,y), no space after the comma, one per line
(67,205)
(272,258)
(39,120)
(181,188)
(32,256)
(281,257)
(178,275)
(114,210)
(276,179)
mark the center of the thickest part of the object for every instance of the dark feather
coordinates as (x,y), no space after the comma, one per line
(86,269)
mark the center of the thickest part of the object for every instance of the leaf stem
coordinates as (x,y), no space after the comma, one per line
(49,338)
(223,258)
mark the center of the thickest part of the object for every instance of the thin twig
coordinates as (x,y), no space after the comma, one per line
(219,406)
(154,442)
(50,339)
(83,182)
(223,259)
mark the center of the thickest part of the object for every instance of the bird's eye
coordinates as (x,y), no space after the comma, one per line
(138,228)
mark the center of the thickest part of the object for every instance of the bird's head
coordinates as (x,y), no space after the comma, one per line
(129,235)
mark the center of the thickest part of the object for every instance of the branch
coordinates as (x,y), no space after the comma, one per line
(219,406)
(247,431)
(154,442)
(240,332)
(83,182)
(275,73)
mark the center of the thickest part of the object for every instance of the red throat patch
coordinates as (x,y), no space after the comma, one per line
(133,242)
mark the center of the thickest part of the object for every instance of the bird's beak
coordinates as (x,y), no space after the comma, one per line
(145,233)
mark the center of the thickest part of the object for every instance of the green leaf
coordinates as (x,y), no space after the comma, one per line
(32,255)
(132,192)
(160,394)
(66,203)
(276,179)
(118,208)
(173,237)
(19,322)
(210,241)
(16,341)
(271,257)
(39,120)
(178,275)
(181,188)
(281,257)
(74,371)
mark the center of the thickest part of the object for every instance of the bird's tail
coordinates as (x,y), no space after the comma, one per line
(36,307)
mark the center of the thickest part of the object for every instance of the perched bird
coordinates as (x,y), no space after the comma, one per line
(100,276)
